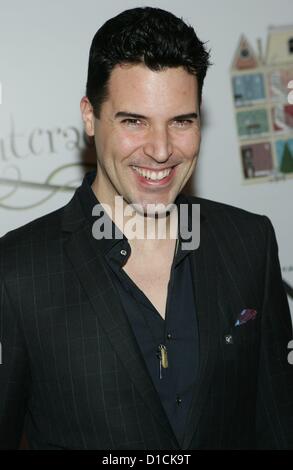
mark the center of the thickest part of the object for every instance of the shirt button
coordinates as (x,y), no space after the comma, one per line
(123,252)
(169,336)
(178,400)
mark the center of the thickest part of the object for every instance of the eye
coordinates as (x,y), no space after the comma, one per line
(132,122)
(183,123)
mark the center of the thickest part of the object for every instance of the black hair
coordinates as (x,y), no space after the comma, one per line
(147,35)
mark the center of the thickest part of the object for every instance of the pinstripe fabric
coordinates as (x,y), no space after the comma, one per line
(72,370)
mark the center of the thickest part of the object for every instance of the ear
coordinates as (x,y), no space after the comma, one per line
(88,116)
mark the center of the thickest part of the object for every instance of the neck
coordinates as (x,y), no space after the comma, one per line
(152,229)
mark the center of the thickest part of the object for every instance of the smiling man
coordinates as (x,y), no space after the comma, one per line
(120,342)
(147,135)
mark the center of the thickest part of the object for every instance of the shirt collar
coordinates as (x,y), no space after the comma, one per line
(88,200)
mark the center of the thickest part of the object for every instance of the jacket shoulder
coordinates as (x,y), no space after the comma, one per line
(46,226)
(232,221)
(210,207)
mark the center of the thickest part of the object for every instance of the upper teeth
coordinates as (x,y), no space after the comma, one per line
(152,175)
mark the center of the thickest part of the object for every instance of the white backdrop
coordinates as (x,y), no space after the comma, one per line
(43,64)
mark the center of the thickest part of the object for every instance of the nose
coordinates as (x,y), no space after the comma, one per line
(158,145)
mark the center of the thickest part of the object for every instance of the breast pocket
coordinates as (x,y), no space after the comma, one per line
(241,342)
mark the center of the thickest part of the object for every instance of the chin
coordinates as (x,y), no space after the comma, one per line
(146,209)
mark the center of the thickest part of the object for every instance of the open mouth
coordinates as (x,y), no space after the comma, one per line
(157,177)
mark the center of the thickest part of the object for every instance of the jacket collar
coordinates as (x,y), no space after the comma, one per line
(78,212)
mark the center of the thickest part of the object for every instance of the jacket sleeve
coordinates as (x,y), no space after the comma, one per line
(14,375)
(274,407)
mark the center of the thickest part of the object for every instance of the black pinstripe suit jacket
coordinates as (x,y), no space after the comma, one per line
(72,370)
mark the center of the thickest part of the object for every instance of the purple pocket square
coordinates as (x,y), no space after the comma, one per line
(246,315)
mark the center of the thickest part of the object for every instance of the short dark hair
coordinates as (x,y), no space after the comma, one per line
(147,35)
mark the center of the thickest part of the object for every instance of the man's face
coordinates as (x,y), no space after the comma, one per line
(148,134)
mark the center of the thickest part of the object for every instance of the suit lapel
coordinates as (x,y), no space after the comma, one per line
(83,252)
(205,262)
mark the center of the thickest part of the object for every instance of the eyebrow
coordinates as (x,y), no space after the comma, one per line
(182,117)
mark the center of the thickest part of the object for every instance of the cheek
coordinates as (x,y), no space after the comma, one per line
(127,143)
(114,148)
(189,146)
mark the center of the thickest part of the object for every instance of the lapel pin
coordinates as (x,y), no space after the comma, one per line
(229,339)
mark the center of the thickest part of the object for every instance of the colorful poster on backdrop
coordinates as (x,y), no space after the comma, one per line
(262,88)
(263,107)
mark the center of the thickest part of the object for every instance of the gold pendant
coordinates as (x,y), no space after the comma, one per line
(163,356)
